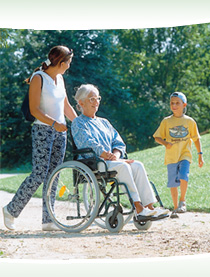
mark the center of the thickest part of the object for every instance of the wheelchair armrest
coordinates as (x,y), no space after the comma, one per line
(83,151)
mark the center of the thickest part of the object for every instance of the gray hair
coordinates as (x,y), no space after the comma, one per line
(83,92)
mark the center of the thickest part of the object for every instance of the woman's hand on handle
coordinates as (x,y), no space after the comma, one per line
(60,127)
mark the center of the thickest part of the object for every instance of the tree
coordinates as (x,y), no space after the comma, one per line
(26,50)
(135,70)
(155,63)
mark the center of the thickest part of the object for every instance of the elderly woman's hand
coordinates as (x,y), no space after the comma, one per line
(108,156)
(128,161)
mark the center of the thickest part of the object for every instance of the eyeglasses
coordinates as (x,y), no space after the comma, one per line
(93,99)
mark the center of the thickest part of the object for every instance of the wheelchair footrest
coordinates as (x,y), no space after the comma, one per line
(163,216)
(141,218)
(150,218)
(76,217)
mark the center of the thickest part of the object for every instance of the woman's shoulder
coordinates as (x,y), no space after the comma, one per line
(60,77)
(103,119)
(82,121)
(79,120)
(36,79)
(38,74)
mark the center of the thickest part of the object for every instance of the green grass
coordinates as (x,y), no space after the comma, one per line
(198,194)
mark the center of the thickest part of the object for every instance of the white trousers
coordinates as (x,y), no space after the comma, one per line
(135,177)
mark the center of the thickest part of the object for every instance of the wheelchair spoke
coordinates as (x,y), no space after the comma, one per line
(67,208)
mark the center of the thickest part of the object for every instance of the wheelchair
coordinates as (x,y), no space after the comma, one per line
(78,194)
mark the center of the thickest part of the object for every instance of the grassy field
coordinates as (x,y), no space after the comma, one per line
(198,194)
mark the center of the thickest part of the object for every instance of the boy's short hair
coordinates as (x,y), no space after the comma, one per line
(180,95)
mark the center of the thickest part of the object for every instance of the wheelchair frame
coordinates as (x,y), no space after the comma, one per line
(78,185)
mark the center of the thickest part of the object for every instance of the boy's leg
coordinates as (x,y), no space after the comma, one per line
(173,184)
(174,195)
(182,204)
(183,189)
(183,177)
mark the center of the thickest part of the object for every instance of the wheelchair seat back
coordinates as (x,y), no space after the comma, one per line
(91,162)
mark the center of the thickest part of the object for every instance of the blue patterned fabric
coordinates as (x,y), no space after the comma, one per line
(96,133)
(48,150)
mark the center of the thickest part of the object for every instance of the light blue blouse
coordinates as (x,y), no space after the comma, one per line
(96,133)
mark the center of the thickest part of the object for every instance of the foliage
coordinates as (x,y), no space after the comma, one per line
(157,62)
(4,33)
(135,71)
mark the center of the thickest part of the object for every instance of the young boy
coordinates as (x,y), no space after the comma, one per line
(176,132)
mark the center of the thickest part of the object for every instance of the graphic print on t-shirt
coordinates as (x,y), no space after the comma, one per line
(178,132)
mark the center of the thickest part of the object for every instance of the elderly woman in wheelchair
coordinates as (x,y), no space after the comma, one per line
(100,164)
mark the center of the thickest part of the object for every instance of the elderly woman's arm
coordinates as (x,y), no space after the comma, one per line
(118,145)
(83,139)
(99,135)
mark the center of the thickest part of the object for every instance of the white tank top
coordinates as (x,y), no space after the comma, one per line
(52,97)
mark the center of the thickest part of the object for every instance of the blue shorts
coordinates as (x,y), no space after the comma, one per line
(176,172)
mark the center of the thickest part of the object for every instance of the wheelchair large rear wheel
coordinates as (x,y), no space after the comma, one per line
(64,196)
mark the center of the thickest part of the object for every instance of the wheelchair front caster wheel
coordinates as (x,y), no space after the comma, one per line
(142,225)
(116,225)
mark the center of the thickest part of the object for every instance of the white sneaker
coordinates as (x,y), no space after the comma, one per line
(50,227)
(8,219)
(147,212)
(161,211)
(182,207)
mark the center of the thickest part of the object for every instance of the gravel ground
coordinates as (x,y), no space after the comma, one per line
(188,235)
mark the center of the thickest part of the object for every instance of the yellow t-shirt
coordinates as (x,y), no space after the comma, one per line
(180,131)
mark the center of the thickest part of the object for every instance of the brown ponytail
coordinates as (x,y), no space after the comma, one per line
(57,54)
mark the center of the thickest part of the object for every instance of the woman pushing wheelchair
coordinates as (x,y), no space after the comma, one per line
(90,131)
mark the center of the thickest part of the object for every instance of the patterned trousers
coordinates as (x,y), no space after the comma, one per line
(48,150)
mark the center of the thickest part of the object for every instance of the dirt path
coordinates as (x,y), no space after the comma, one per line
(188,235)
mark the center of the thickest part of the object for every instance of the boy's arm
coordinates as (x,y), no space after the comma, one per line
(167,144)
(200,155)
